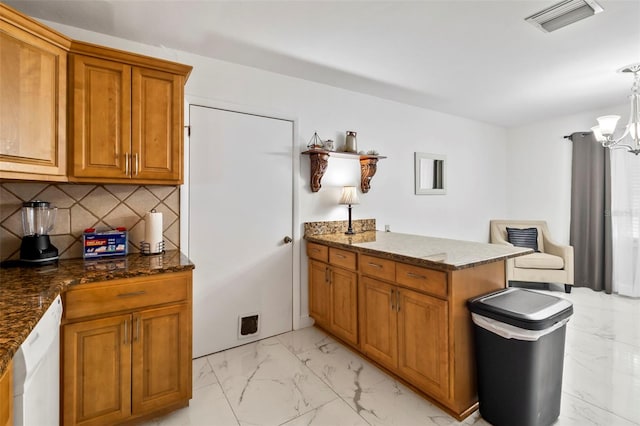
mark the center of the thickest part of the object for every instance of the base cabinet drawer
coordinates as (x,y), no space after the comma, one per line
(126,294)
(422,279)
(379,268)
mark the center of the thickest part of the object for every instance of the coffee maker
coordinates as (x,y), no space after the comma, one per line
(38,218)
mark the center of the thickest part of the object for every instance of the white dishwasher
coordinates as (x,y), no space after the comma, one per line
(36,372)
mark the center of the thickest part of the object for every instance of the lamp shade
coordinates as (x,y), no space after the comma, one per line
(349,195)
(608,124)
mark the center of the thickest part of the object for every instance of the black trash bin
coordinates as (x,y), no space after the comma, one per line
(519,344)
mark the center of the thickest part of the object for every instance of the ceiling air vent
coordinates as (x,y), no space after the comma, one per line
(564,13)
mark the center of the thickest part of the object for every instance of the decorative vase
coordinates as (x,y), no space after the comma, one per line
(350,143)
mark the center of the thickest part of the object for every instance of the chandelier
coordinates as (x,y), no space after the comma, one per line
(630,138)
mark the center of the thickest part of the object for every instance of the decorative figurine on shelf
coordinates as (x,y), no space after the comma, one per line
(315,142)
(329,145)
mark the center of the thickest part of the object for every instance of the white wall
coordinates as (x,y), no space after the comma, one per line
(539,168)
(476,152)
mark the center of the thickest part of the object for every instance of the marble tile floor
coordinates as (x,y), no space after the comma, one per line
(305,377)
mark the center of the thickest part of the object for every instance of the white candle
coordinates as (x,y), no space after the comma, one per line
(153,231)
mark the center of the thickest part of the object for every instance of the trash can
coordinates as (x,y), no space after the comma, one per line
(519,345)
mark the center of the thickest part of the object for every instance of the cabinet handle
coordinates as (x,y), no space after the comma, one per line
(375,265)
(412,275)
(391,301)
(126,164)
(137,335)
(398,301)
(341,256)
(133,293)
(326,275)
(137,162)
(126,331)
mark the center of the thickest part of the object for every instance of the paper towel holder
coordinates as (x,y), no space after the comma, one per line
(145,248)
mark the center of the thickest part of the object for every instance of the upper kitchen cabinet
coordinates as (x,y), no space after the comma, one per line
(126,115)
(33,99)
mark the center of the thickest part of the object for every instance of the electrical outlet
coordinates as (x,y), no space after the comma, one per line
(387,228)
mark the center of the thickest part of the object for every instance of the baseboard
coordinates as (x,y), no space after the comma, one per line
(303,322)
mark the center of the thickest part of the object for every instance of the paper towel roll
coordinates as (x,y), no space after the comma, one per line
(153,231)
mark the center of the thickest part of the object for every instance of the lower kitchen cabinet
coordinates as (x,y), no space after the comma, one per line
(6,396)
(333,294)
(406,331)
(379,321)
(423,346)
(319,293)
(411,319)
(130,358)
(97,371)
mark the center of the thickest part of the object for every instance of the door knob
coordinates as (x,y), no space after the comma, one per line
(287,240)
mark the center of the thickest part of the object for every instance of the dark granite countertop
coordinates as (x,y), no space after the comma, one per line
(436,253)
(27,292)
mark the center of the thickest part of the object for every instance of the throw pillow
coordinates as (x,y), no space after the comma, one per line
(527,237)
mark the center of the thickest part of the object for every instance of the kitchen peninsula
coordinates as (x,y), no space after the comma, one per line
(400,300)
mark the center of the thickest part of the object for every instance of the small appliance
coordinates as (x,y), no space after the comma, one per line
(38,218)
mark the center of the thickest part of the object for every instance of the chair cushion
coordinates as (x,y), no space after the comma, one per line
(539,261)
(527,237)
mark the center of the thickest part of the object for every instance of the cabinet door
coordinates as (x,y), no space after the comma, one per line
(319,293)
(344,304)
(97,371)
(423,342)
(157,119)
(33,107)
(378,321)
(161,358)
(101,114)
(6,396)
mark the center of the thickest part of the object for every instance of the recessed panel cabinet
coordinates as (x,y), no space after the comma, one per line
(33,99)
(411,320)
(6,396)
(333,293)
(126,349)
(127,118)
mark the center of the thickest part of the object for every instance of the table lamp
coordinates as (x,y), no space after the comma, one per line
(349,196)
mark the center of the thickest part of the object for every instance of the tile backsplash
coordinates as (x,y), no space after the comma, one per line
(83,206)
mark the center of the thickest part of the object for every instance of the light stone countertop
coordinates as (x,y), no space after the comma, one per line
(437,253)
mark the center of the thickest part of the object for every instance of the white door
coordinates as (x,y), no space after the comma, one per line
(240,211)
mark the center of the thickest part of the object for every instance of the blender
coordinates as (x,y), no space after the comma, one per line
(38,218)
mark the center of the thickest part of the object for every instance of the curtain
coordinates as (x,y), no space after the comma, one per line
(590,229)
(625,218)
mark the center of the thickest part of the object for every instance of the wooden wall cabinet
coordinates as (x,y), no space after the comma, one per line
(126,115)
(33,99)
(333,291)
(412,320)
(126,349)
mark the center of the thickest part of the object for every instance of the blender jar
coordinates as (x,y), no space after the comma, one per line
(38,217)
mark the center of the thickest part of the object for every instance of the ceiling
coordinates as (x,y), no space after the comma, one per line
(476,59)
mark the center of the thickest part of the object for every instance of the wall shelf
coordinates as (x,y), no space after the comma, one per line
(320,160)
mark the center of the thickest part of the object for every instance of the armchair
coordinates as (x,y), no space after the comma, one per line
(552,264)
